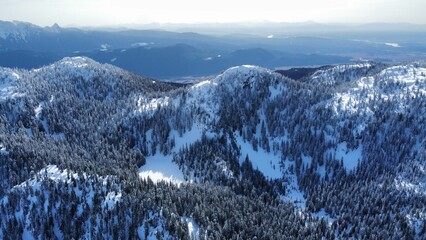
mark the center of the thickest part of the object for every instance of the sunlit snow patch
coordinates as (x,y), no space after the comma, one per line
(3,150)
(7,88)
(38,111)
(293,193)
(161,168)
(322,214)
(193,228)
(150,105)
(396,45)
(350,157)
(104,47)
(153,225)
(267,163)
(111,199)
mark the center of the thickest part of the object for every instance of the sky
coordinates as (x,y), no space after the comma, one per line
(122,12)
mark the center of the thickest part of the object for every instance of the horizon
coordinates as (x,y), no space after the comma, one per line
(242,24)
(109,13)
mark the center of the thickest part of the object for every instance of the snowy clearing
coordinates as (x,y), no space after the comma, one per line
(265,162)
(161,168)
(293,193)
(350,157)
(193,228)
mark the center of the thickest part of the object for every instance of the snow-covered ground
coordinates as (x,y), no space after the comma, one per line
(152,226)
(193,228)
(203,96)
(322,214)
(8,89)
(150,105)
(403,184)
(396,45)
(161,168)
(53,173)
(293,193)
(265,162)
(350,157)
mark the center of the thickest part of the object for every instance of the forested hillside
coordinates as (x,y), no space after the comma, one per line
(88,150)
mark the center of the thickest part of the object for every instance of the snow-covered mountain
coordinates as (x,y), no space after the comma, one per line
(248,152)
(18,31)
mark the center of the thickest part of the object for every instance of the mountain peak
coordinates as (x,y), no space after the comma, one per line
(78,61)
(242,75)
(54,28)
(17,30)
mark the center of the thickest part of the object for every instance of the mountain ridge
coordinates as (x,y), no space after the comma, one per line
(244,141)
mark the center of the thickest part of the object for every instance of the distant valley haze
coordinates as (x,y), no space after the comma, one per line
(175,51)
(130,12)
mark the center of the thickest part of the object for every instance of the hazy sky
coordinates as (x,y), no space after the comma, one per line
(119,12)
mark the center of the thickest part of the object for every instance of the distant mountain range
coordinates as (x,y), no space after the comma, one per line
(166,54)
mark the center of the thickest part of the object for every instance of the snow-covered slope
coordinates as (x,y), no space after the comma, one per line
(18,31)
(344,73)
(355,89)
(206,97)
(350,129)
(8,82)
(41,199)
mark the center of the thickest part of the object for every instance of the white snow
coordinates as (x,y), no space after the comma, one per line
(139,44)
(396,45)
(188,137)
(275,91)
(331,75)
(8,79)
(104,47)
(203,95)
(65,176)
(18,30)
(411,81)
(293,193)
(111,199)
(193,228)
(3,150)
(38,110)
(155,225)
(150,105)
(161,168)
(322,214)
(404,73)
(74,62)
(86,68)
(237,75)
(350,157)
(403,184)
(52,172)
(265,162)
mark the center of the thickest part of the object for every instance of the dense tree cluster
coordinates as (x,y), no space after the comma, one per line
(99,124)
